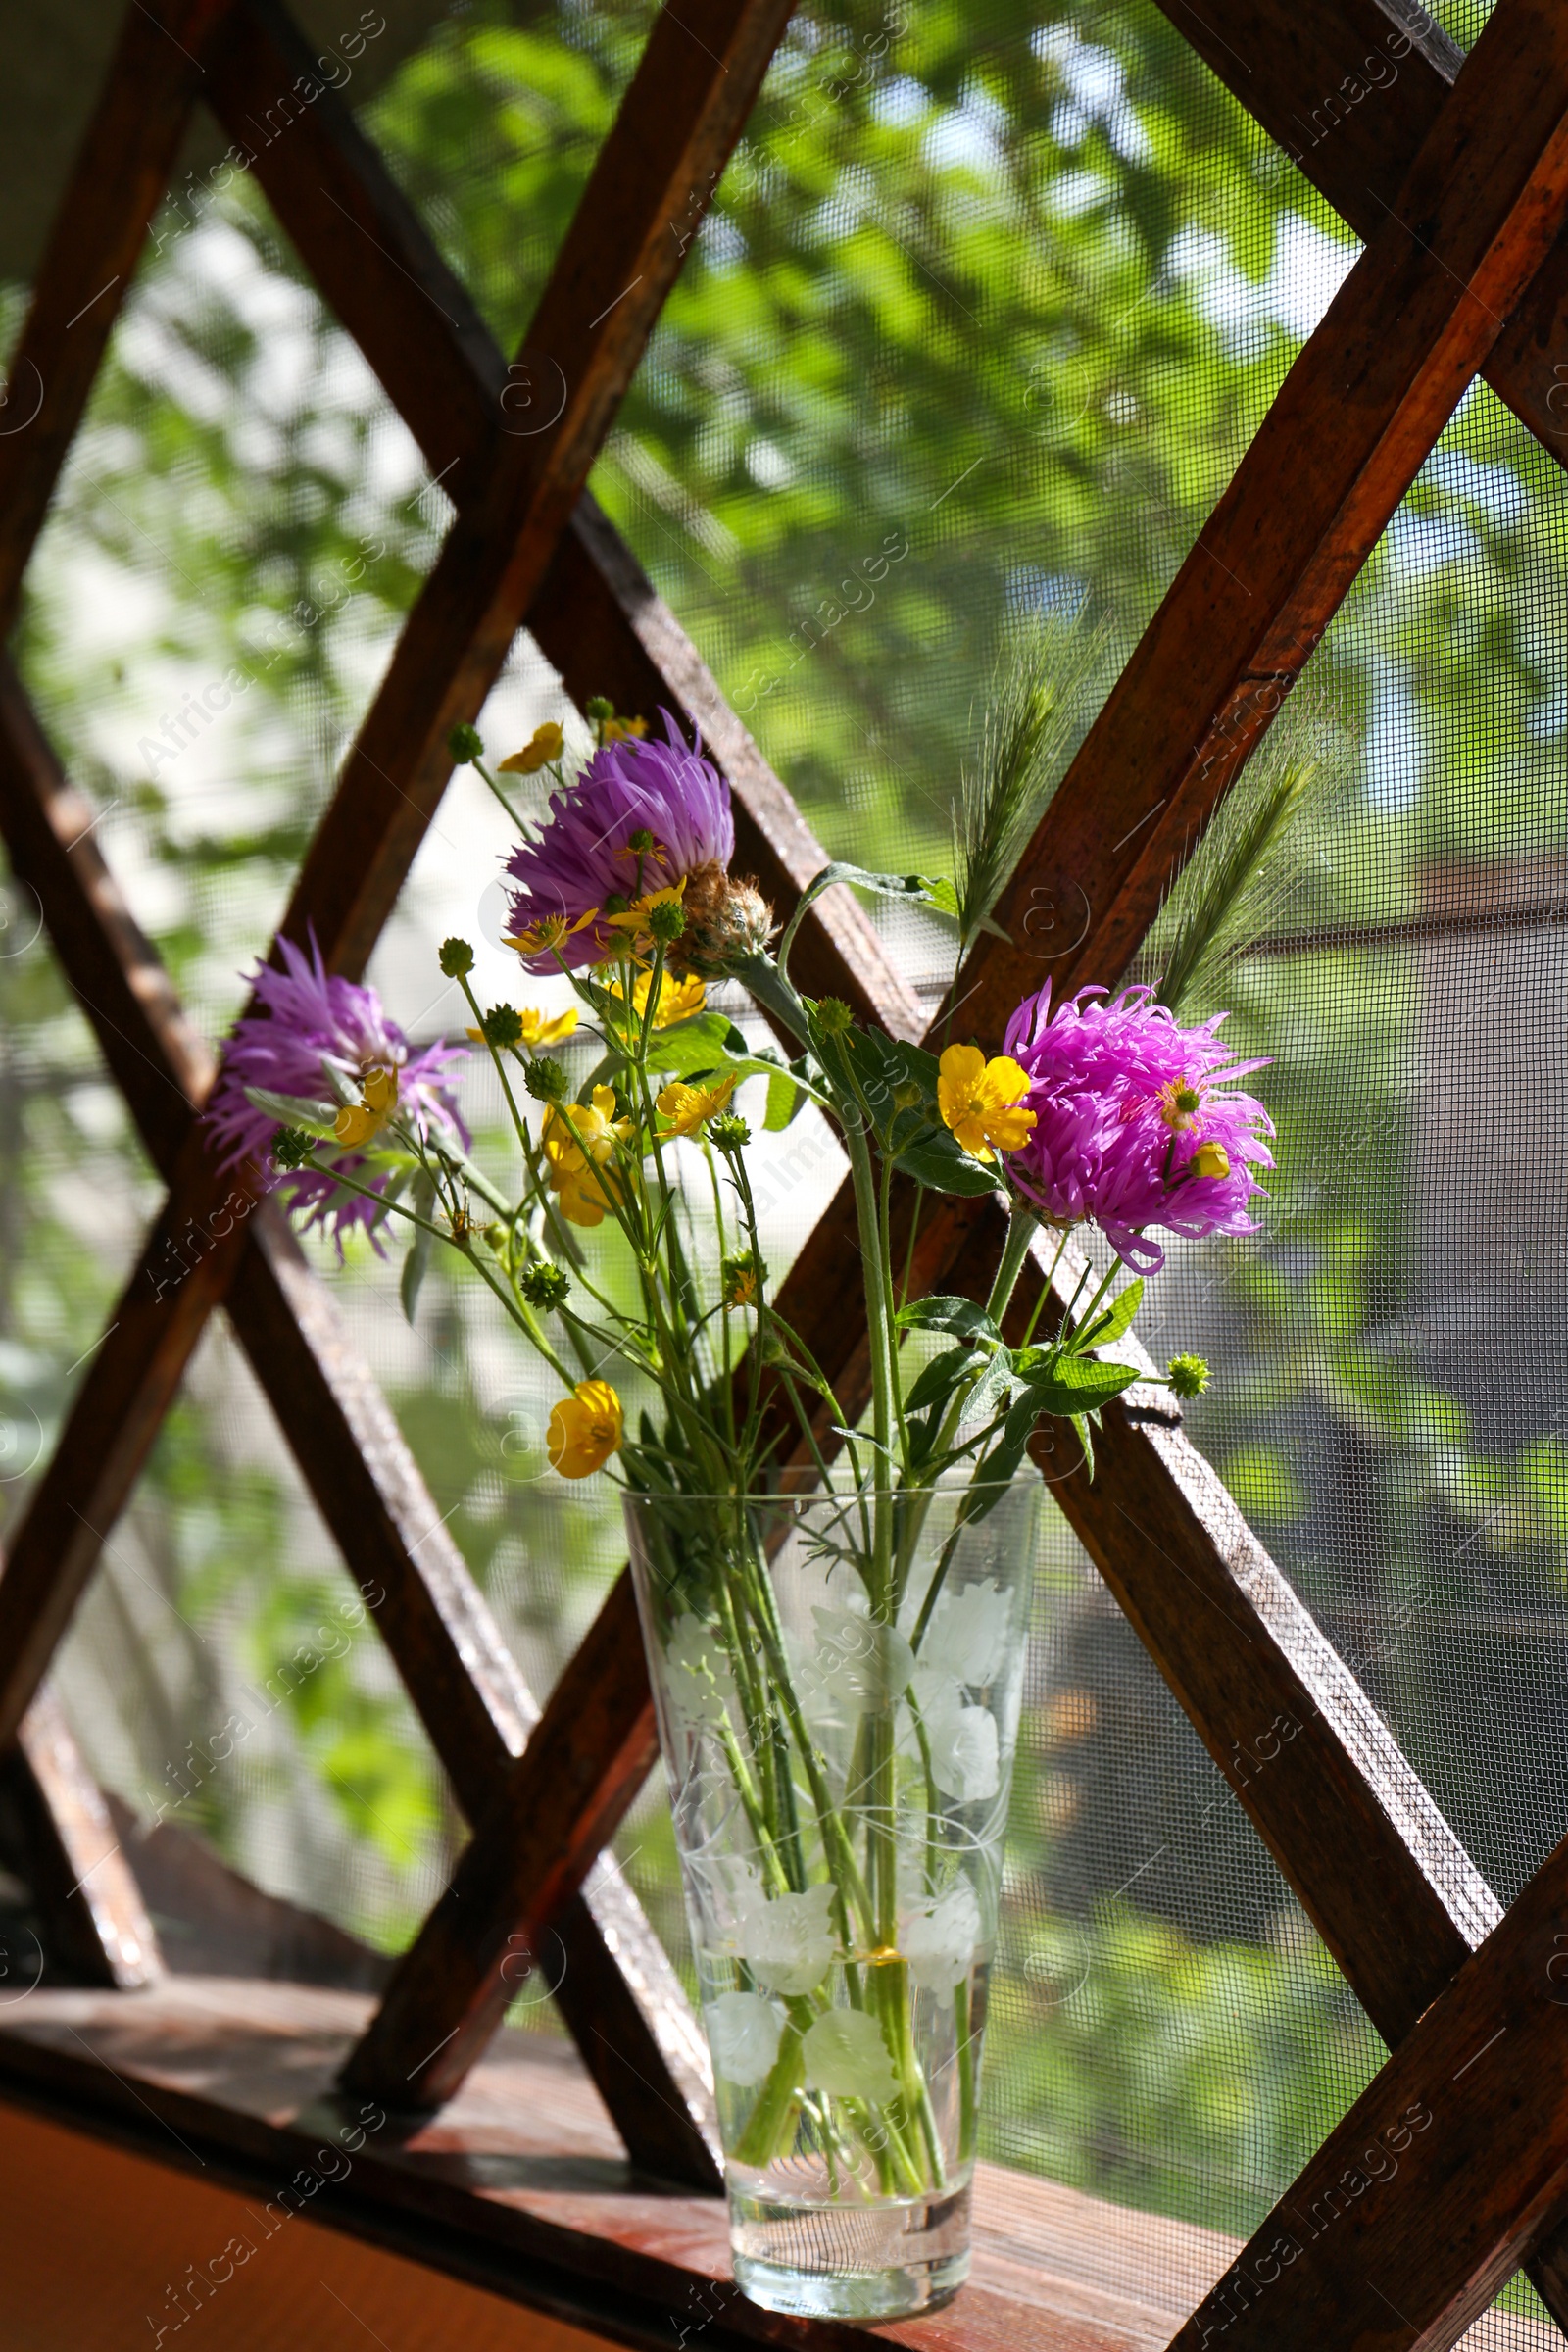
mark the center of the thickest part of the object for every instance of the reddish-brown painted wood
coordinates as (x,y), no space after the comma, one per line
(532,1848)
(119,181)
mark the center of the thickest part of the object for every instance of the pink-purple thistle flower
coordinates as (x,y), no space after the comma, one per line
(677,804)
(1138,1121)
(308,1021)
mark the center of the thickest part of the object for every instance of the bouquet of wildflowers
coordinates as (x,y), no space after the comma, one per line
(627,1254)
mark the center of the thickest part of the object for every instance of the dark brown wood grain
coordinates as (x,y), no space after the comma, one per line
(532,1848)
(117,184)
(617,1992)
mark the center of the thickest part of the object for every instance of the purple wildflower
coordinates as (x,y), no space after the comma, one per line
(308,1021)
(1136,1121)
(585,855)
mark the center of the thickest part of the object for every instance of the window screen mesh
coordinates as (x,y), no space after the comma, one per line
(978,326)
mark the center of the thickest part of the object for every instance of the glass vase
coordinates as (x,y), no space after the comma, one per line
(838,1678)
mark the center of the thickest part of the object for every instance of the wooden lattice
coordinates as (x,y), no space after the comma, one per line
(1459,184)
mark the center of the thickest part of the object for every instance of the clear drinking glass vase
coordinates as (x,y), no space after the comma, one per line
(838,1678)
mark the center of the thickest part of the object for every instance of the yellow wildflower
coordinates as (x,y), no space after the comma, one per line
(1210,1159)
(687,1106)
(585,1429)
(543,746)
(617,730)
(981,1101)
(358,1122)
(635,918)
(677,1000)
(581,1140)
(553,931)
(545,1029)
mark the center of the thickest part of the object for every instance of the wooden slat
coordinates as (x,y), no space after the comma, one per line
(618,1993)
(595,613)
(1421,2203)
(94,1918)
(118,180)
(532,1851)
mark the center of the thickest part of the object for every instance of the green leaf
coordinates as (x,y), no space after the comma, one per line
(293,1110)
(1111,1325)
(943,1166)
(785,1095)
(1080,1385)
(963,1318)
(939,1378)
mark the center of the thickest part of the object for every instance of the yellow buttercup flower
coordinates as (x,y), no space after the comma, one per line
(543,746)
(553,931)
(617,730)
(677,1000)
(357,1122)
(1210,1159)
(687,1106)
(585,1429)
(581,1140)
(981,1101)
(545,1029)
(635,918)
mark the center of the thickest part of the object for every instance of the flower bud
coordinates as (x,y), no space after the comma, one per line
(456,958)
(1188,1375)
(598,708)
(465,744)
(834,1017)
(292,1147)
(726,921)
(544,1285)
(503,1027)
(641,841)
(545,1080)
(666,920)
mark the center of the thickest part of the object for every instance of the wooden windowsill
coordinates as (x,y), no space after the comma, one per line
(519,2185)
